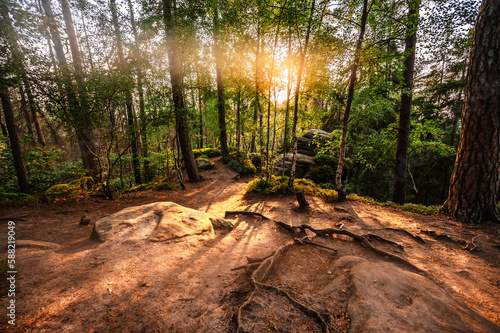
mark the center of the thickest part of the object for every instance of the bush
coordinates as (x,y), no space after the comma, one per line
(206,152)
(160,184)
(62,192)
(241,164)
(414,208)
(14,199)
(279,185)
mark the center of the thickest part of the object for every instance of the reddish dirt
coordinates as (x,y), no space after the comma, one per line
(188,285)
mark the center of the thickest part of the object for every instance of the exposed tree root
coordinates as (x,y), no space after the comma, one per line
(462,243)
(257,277)
(329,232)
(242,212)
(406,232)
(370,236)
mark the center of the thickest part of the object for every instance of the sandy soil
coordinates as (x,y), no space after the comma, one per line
(188,285)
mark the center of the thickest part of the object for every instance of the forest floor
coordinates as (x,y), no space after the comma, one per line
(189,285)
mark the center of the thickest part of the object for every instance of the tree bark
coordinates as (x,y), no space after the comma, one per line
(350,95)
(401,165)
(221,101)
(297,91)
(22,177)
(136,165)
(475,182)
(174,63)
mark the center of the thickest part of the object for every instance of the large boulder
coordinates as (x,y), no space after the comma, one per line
(157,222)
(311,140)
(305,164)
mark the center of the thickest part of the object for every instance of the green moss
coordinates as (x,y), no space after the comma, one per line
(414,208)
(59,192)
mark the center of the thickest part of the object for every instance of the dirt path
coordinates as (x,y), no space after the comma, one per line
(188,286)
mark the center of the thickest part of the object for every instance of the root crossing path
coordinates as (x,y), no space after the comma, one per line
(259,276)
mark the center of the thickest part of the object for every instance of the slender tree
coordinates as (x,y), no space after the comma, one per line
(221,100)
(79,113)
(140,91)
(475,182)
(297,91)
(128,96)
(175,67)
(350,96)
(400,168)
(22,177)
(19,63)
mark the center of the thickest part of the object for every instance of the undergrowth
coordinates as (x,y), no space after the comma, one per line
(414,208)
(279,185)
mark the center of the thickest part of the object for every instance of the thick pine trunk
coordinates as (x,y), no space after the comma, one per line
(475,182)
(174,63)
(350,96)
(22,177)
(400,168)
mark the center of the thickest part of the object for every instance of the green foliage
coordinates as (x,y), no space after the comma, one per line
(64,192)
(206,152)
(241,164)
(419,209)
(160,184)
(16,199)
(279,185)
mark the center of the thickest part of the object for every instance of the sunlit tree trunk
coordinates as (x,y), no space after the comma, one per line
(400,168)
(257,109)
(136,165)
(350,95)
(174,63)
(297,91)
(22,177)
(475,182)
(221,101)
(287,108)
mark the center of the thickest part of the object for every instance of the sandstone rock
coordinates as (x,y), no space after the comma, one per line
(306,143)
(304,165)
(204,164)
(32,244)
(159,221)
(387,298)
(256,159)
(219,223)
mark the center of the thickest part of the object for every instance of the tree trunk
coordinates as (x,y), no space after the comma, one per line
(174,63)
(297,90)
(22,177)
(238,122)
(136,165)
(400,169)
(140,90)
(350,96)
(221,101)
(78,115)
(257,108)
(287,108)
(475,182)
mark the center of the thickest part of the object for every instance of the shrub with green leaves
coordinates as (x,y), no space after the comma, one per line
(279,185)
(206,152)
(241,164)
(415,208)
